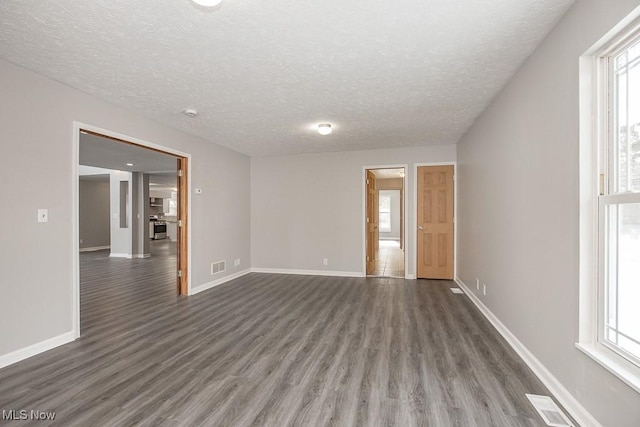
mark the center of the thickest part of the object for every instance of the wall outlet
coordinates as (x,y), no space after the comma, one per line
(43,215)
(325,261)
(477,283)
(484,289)
(236,262)
(81,240)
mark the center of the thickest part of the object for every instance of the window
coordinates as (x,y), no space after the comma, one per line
(619,203)
(384,212)
(609,329)
(173,204)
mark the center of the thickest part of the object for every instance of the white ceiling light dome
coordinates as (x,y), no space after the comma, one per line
(324,128)
(207,3)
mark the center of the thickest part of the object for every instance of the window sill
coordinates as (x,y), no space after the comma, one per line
(619,367)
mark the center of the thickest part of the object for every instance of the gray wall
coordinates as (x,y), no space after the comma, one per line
(140,202)
(308,207)
(38,148)
(394,234)
(518,210)
(94,212)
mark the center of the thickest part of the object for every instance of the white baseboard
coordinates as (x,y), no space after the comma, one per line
(139,256)
(116,255)
(308,272)
(95,248)
(566,399)
(32,350)
(218,282)
(410,277)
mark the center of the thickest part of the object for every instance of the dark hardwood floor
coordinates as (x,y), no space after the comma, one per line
(272,350)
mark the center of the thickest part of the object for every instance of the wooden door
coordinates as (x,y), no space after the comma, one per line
(371,222)
(402,215)
(182,226)
(435,222)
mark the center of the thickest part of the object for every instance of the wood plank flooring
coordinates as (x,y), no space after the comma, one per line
(272,350)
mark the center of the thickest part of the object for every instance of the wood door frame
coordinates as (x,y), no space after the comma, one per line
(363,215)
(75,218)
(414,233)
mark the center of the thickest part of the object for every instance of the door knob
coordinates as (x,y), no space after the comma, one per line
(421,227)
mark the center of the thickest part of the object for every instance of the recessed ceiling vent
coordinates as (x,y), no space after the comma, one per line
(549,411)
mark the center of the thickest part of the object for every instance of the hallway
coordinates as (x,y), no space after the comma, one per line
(390,261)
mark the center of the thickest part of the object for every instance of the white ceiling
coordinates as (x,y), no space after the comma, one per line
(99,156)
(388,173)
(263,72)
(109,154)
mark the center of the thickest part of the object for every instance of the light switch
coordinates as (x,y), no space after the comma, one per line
(43,215)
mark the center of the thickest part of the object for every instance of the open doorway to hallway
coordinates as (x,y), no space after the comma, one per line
(385,222)
(132,209)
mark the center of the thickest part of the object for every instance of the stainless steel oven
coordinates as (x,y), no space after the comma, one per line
(159,230)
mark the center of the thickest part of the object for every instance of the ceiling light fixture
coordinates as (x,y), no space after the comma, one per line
(129,164)
(324,128)
(207,3)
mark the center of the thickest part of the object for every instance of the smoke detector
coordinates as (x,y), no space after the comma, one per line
(190,112)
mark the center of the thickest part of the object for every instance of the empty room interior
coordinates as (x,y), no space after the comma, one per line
(236,213)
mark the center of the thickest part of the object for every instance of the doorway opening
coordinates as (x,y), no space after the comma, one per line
(131,219)
(385,222)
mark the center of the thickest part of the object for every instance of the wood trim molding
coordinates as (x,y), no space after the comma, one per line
(37,348)
(219,282)
(308,272)
(95,248)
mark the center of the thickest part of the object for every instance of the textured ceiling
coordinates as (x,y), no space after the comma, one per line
(263,72)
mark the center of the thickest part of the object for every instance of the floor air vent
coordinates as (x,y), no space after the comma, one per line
(218,267)
(456,290)
(549,411)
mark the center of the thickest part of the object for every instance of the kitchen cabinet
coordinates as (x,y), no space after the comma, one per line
(156,202)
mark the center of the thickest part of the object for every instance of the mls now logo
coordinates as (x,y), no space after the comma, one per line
(23,414)
(15,415)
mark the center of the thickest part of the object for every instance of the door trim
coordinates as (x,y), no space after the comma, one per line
(75,201)
(363,215)
(414,220)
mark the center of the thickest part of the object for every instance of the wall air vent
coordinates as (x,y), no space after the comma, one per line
(218,267)
(549,411)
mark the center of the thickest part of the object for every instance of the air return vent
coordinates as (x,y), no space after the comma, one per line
(549,411)
(218,267)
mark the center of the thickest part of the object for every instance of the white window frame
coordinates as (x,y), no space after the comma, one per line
(384,229)
(595,139)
